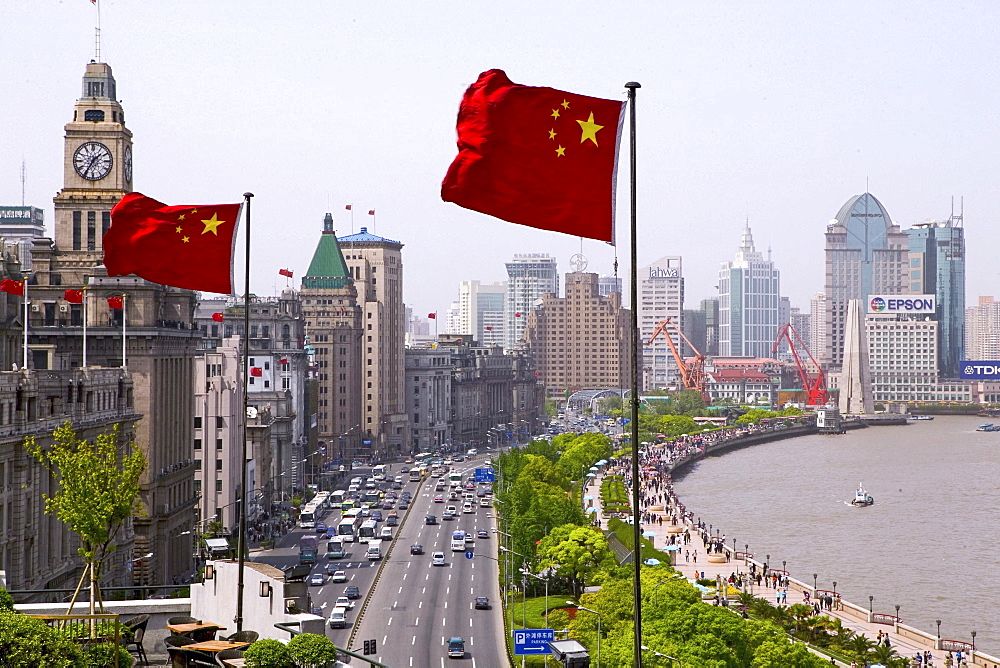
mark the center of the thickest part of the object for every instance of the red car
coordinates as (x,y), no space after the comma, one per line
(439,498)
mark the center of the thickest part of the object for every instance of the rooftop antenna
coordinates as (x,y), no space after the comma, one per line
(97,32)
(24,177)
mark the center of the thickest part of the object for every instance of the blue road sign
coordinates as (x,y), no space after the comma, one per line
(532,641)
(469,554)
(485,475)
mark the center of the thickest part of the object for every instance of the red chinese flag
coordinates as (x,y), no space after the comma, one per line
(537,156)
(117,303)
(256,371)
(218,317)
(348,207)
(432,316)
(371,212)
(517,315)
(285,272)
(73,296)
(12,287)
(489,329)
(284,360)
(182,246)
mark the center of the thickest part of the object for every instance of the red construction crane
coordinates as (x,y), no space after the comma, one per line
(692,370)
(813,383)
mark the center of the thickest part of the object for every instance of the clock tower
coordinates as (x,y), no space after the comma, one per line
(97,165)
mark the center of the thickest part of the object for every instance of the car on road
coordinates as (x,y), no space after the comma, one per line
(456,648)
(397,485)
(387,504)
(317,580)
(439,498)
(416,548)
(448,514)
(352,592)
(482,603)
(482,533)
(344,602)
(391,521)
(320,527)
(437,559)
(338,618)
(404,504)
(484,503)
(430,519)
(339,576)
(439,487)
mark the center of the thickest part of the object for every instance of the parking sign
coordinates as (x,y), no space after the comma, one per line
(532,641)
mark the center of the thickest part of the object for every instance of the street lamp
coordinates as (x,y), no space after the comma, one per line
(973,646)
(784,566)
(896,630)
(815,586)
(658,654)
(871,611)
(525,571)
(580,607)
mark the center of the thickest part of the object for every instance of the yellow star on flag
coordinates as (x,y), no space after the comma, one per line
(212,223)
(186,239)
(555,113)
(589,129)
(178,229)
(561,152)
(565,104)
(180,217)
(552,133)
(194,210)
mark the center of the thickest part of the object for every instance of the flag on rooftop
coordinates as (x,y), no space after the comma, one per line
(371,212)
(348,207)
(117,303)
(189,246)
(286,272)
(12,287)
(218,317)
(537,156)
(73,296)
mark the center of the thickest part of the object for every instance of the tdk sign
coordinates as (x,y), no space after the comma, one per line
(893,304)
(976,370)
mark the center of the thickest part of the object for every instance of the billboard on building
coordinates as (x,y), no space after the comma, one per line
(901,304)
(980,370)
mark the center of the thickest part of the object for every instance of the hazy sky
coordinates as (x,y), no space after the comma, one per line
(777,113)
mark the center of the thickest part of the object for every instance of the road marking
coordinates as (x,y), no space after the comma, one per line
(394,604)
(411,658)
(446,605)
(423,591)
(444,621)
(420,605)
(389,623)
(416,622)
(447,590)
(470,624)
(384,639)
(413,642)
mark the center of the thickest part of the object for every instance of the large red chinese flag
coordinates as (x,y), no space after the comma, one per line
(12,287)
(181,246)
(73,296)
(537,156)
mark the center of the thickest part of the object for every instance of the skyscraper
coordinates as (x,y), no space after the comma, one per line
(661,295)
(749,301)
(866,254)
(481,311)
(937,267)
(529,276)
(982,330)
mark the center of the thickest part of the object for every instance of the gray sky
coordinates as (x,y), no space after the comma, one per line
(778,113)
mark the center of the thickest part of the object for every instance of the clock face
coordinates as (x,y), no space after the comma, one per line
(128,164)
(92,160)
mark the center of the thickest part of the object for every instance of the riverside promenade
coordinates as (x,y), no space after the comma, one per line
(726,561)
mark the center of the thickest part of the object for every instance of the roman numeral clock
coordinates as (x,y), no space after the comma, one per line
(93,161)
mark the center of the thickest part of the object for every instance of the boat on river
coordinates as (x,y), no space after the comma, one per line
(920,417)
(861,497)
(989,426)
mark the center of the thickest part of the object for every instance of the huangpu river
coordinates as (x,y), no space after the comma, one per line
(930,543)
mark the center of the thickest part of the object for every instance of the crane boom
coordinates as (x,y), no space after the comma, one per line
(815,387)
(693,370)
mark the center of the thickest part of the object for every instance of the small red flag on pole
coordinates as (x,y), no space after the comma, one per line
(12,287)
(432,316)
(256,371)
(285,272)
(116,303)
(73,296)
(371,212)
(348,207)
(218,317)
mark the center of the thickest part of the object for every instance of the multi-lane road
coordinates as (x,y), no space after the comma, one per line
(409,606)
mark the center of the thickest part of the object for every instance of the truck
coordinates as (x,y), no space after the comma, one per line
(308,548)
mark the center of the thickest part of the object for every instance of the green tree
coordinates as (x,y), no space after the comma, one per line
(780,653)
(312,649)
(98,491)
(575,552)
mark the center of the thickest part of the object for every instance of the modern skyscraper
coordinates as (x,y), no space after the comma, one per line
(937,267)
(608,284)
(376,263)
(529,276)
(749,296)
(982,330)
(866,254)
(481,311)
(661,295)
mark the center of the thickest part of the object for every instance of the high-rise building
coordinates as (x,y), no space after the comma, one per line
(710,309)
(866,254)
(580,341)
(982,330)
(608,284)
(481,311)
(21,225)
(749,296)
(529,276)
(376,263)
(817,323)
(937,267)
(661,295)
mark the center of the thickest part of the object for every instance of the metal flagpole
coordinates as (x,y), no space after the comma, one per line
(636,529)
(24,291)
(242,540)
(84,291)
(124,335)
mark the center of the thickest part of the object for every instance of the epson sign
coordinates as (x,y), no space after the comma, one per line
(976,370)
(893,304)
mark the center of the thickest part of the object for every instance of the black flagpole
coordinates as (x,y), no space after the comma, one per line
(636,529)
(242,540)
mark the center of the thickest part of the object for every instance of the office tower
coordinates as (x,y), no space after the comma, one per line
(661,295)
(982,330)
(21,225)
(376,263)
(580,341)
(866,254)
(452,319)
(817,332)
(937,267)
(482,312)
(529,276)
(710,309)
(335,330)
(749,295)
(608,284)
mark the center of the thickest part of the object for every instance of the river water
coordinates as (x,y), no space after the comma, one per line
(931,541)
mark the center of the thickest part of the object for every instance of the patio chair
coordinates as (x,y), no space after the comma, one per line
(178,641)
(138,628)
(244,636)
(220,657)
(183,620)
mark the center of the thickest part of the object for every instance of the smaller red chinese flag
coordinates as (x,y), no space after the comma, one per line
(285,272)
(12,287)
(517,315)
(284,360)
(256,371)
(371,212)
(218,317)
(489,329)
(432,316)
(73,296)
(117,303)
(348,207)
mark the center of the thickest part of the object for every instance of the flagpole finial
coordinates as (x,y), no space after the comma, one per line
(248,195)
(633,84)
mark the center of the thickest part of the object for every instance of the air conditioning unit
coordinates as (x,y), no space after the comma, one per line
(64,308)
(35,308)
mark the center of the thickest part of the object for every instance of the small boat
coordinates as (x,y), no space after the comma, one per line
(989,426)
(861,497)
(921,417)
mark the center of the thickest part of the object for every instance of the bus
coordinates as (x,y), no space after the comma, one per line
(372,496)
(368,531)
(458,541)
(415,475)
(347,505)
(348,528)
(308,516)
(380,471)
(455,478)
(337,498)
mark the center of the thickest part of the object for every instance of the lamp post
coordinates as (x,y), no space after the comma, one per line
(525,571)
(784,566)
(815,586)
(938,645)
(871,611)
(896,623)
(973,656)
(580,607)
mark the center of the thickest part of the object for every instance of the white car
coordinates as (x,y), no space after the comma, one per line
(437,559)
(344,602)
(339,576)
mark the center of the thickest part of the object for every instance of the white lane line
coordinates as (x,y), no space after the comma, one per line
(416,622)
(394,604)
(444,621)
(420,605)
(389,623)
(413,642)
(423,591)
(446,605)
(447,590)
